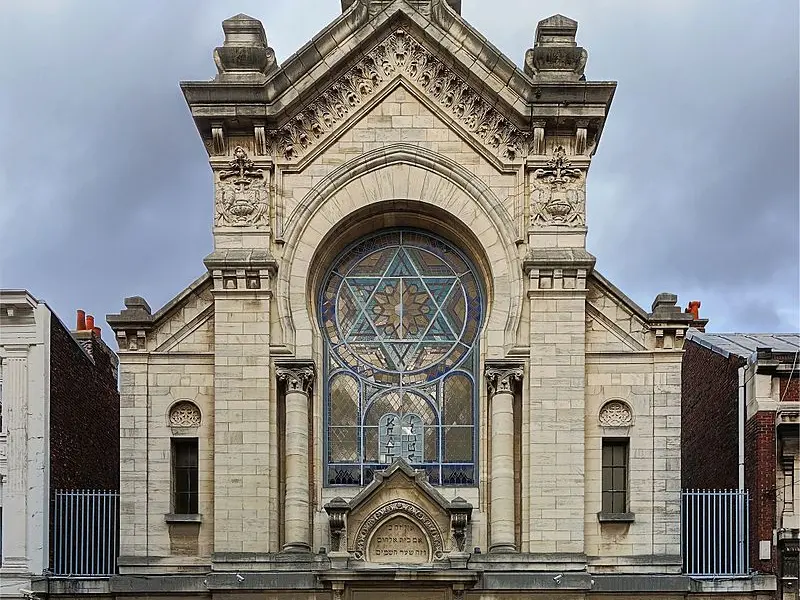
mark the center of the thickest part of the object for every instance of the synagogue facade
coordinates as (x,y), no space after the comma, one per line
(400,370)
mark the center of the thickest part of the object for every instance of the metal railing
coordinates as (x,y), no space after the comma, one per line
(85,533)
(715,533)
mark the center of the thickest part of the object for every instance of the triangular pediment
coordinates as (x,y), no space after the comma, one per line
(399,54)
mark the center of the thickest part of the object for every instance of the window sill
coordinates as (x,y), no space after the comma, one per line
(174,518)
(605,517)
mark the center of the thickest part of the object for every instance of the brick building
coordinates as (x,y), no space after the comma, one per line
(59,429)
(741,420)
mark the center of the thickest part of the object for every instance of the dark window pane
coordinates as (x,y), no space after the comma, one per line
(184,476)
(615,476)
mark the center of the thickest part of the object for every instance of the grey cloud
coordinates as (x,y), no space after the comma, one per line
(105,190)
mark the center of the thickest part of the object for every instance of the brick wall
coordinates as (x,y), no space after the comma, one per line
(759,474)
(84,414)
(709,434)
(789,389)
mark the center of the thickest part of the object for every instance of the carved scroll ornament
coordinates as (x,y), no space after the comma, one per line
(559,194)
(239,201)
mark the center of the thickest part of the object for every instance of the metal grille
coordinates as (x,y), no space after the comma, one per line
(85,533)
(715,533)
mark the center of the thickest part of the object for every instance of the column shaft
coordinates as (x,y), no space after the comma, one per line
(502,481)
(15,399)
(296,506)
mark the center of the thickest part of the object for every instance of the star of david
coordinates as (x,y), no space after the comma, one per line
(401,315)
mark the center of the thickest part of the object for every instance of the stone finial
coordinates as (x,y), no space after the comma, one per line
(244,55)
(136,310)
(555,55)
(665,308)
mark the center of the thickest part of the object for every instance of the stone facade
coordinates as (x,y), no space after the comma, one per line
(399,116)
(59,429)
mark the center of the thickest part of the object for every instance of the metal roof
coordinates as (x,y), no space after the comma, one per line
(745,344)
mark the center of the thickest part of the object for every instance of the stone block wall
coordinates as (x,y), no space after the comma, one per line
(709,416)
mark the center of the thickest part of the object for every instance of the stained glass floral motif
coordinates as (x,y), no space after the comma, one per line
(401,312)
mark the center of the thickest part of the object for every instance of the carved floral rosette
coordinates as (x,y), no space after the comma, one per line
(240,199)
(389,510)
(616,413)
(558,193)
(399,54)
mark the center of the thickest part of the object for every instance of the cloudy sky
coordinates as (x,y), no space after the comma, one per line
(105,191)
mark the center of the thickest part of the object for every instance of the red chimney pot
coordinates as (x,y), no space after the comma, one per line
(89,322)
(694,308)
(81,326)
(97,331)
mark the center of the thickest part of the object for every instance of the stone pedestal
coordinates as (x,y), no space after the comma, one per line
(299,380)
(501,401)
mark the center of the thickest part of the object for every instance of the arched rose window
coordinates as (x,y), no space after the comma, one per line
(401,312)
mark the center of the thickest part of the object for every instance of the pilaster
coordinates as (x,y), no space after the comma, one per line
(245,445)
(554,482)
(15,488)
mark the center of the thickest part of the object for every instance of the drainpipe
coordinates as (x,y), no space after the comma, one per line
(741,416)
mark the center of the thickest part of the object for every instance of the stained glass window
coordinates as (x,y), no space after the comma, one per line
(400,312)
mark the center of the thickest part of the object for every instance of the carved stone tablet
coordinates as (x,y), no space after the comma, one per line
(399,540)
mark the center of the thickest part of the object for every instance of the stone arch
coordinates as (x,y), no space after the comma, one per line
(399,185)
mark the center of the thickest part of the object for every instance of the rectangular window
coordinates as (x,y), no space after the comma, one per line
(184,476)
(615,476)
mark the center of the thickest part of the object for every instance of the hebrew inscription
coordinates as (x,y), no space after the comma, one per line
(399,540)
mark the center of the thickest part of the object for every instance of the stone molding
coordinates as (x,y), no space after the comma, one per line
(298,376)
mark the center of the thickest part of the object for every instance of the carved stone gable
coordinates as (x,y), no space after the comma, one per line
(399,519)
(398,55)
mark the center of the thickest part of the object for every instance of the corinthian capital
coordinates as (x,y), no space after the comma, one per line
(501,376)
(299,377)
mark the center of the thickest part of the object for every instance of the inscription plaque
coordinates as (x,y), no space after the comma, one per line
(399,540)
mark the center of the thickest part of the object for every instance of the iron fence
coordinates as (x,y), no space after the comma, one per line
(85,533)
(715,533)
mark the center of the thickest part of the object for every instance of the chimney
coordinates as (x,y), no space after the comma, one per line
(81,325)
(694,310)
(89,323)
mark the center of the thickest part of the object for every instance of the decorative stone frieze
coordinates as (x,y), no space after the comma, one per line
(616,413)
(399,54)
(241,199)
(558,195)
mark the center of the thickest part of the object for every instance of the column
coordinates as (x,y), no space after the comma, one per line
(500,379)
(299,380)
(15,505)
